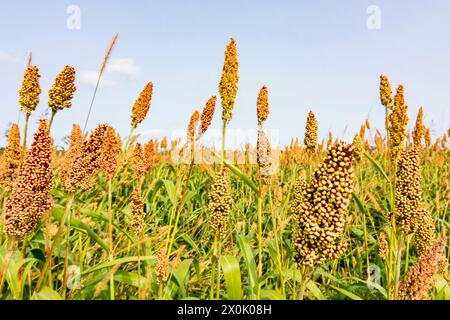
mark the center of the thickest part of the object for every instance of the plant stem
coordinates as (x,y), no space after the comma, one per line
(277,246)
(25,131)
(259,208)
(110,234)
(213,267)
(51,120)
(4,270)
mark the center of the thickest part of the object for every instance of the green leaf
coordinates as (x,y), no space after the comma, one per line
(240,175)
(58,213)
(180,274)
(232,274)
(271,295)
(112,263)
(130,278)
(250,263)
(46,294)
(347,293)
(171,191)
(314,289)
(377,166)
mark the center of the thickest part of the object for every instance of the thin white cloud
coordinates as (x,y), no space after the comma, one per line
(124,66)
(9,58)
(89,78)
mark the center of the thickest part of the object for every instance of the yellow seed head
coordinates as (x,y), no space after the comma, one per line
(320,208)
(398,121)
(30,195)
(357,143)
(82,161)
(10,159)
(420,278)
(385,92)
(383,245)
(162,266)
(111,148)
(30,90)
(142,105)
(264,156)
(137,212)
(207,115)
(193,122)
(219,202)
(311,132)
(262,105)
(62,90)
(228,81)
(419,130)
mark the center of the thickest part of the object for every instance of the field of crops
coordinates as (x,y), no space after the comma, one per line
(112,218)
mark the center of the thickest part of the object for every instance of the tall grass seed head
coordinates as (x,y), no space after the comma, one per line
(385,92)
(10,158)
(142,105)
(311,132)
(61,93)
(228,81)
(219,202)
(206,117)
(30,196)
(30,90)
(262,105)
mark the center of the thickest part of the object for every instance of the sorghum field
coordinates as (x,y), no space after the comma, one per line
(111,218)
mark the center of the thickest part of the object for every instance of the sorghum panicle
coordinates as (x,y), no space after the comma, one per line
(219,202)
(83,162)
(111,149)
(262,109)
(398,121)
(30,195)
(420,279)
(30,90)
(311,132)
(10,158)
(206,117)
(137,212)
(162,267)
(419,130)
(62,90)
(385,92)
(228,81)
(142,105)
(322,215)
(264,156)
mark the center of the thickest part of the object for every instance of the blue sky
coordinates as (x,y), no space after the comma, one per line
(312,55)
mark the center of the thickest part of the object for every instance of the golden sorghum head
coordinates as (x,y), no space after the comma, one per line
(10,159)
(367,124)
(137,162)
(383,246)
(264,156)
(420,279)
(321,216)
(30,90)
(357,143)
(311,132)
(110,151)
(298,196)
(262,105)
(207,115)
(219,202)
(149,154)
(30,195)
(82,161)
(228,81)
(385,91)
(362,132)
(409,212)
(164,143)
(398,121)
(76,135)
(419,130)
(142,105)
(428,138)
(62,90)
(137,212)
(193,122)
(162,266)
